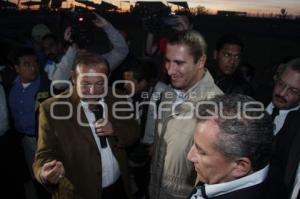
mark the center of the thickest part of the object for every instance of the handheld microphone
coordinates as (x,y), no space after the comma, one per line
(98,112)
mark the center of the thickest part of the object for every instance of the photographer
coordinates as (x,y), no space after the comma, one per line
(113,57)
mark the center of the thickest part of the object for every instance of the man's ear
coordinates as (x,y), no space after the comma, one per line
(201,61)
(215,54)
(73,77)
(275,77)
(242,168)
(17,68)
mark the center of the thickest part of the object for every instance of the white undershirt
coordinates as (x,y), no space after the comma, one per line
(110,166)
(25,85)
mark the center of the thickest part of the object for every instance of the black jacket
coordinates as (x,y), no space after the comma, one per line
(285,158)
(234,83)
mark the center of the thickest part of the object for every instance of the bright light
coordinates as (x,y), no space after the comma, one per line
(80,19)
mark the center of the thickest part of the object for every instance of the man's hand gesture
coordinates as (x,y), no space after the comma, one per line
(100,21)
(52,172)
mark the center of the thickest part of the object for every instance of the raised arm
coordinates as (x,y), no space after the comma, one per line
(120,48)
(64,67)
(113,57)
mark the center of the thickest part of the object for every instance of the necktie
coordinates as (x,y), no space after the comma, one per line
(275,112)
(98,112)
(195,193)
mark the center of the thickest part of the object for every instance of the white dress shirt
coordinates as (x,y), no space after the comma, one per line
(110,166)
(213,190)
(280,118)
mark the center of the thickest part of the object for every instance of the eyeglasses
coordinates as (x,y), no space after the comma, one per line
(283,85)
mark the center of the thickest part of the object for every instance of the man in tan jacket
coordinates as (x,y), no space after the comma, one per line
(172,175)
(79,155)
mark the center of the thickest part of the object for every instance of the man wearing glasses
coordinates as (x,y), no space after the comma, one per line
(286,93)
(284,174)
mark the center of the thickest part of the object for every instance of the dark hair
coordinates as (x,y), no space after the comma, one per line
(50,36)
(89,59)
(140,69)
(250,135)
(229,39)
(247,70)
(22,52)
(193,40)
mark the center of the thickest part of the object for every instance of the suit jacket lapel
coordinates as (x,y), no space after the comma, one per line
(293,160)
(294,152)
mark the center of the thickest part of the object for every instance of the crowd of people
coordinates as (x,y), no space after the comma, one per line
(80,124)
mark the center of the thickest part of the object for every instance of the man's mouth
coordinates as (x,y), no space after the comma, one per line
(280,99)
(175,78)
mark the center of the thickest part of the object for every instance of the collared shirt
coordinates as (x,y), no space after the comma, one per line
(22,103)
(191,93)
(110,166)
(3,112)
(280,118)
(182,96)
(213,190)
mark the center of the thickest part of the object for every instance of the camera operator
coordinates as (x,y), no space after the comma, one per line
(171,24)
(57,56)
(113,57)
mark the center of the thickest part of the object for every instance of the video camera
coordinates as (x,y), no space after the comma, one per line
(170,20)
(154,23)
(82,24)
(150,16)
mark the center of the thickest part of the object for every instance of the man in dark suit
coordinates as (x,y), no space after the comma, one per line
(286,93)
(231,150)
(284,167)
(78,154)
(284,108)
